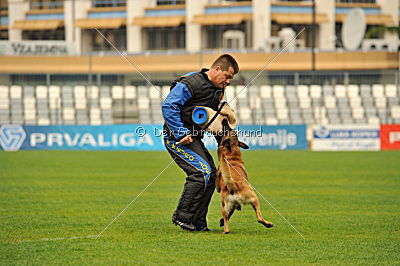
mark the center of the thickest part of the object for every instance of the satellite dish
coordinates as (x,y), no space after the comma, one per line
(353,29)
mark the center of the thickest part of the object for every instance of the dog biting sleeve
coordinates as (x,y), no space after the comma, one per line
(190,157)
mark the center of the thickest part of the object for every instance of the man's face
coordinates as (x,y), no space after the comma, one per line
(221,78)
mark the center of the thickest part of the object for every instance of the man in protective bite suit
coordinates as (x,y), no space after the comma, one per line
(183,138)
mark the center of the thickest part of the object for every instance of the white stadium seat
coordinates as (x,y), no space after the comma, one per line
(255,102)
(41,92)
(154,92)
(117,92)
(315,91)
(130,92)
(358,113)
(15,92)
(3,92)
(93,92)
(377,90)
(302,91)
(391,90)
(395,110)
(143,103)
(373,120)
(271,121)
(241,92)
(282,113)
(340,91)
(105,103)
(353,90)
(245,113)
(305,102)
(330,101)
(68,113)
(355,102)
(278,91)
(80,92)
(94,113)
(80,103)
(43,121)
(380,102)
(54,92)
(265,91)
(30,102)
(280,103)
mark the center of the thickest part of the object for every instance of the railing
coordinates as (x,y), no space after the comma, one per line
(242,78)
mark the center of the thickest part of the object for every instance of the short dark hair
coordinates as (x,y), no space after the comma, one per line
(225,61)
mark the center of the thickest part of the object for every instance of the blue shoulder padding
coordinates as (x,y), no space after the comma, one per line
(171,109)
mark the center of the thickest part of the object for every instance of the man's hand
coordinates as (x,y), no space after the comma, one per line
(186,140)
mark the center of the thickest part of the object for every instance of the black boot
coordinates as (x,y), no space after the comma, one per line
(199,219)
(188,204)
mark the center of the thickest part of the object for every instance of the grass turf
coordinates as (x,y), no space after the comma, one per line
(346,204)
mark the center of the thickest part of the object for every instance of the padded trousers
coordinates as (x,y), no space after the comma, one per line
(199,187)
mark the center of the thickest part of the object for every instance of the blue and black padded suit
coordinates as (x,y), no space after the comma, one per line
(171,110)
(193,158)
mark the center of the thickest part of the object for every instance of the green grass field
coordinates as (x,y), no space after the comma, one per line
(346,204)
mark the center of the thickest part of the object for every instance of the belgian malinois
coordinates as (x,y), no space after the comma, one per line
(232,181)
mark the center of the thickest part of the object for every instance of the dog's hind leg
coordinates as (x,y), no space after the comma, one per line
(237,207)
(225,220)
(221,222)
(256,206)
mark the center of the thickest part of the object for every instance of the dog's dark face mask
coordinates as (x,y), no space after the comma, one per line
(230,139)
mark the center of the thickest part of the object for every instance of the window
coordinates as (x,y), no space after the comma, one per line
(36,35)
(3,34)
(109,3)
(46,4)
(170,2)
(214,35)
(3,5)
(165,38)
(116,36)
(357,1)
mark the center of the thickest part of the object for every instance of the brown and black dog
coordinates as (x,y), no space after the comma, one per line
(232,182)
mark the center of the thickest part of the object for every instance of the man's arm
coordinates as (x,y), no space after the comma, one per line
(171,109)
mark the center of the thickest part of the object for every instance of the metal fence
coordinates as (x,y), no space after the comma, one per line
(242,78)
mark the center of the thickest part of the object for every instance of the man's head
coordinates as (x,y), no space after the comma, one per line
(222,70)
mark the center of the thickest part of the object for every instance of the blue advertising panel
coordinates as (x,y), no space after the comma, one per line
(110,137)
(136,137)
(282,137)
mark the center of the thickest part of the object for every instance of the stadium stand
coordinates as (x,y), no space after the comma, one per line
(271,105)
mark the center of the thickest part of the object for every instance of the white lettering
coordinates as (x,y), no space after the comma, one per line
(54,138)
(87,139)
(37,138)
(103,143)
(394,136)
(73,141)
(114,139)
(291,139)
(146,139)
(127,139)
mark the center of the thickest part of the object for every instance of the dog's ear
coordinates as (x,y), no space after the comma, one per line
(243,145)
(227,143)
